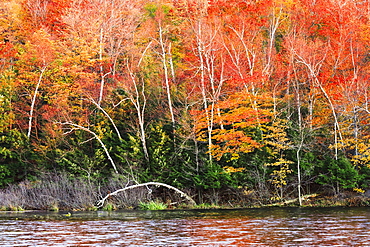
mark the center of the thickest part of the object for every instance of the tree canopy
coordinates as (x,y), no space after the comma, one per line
(204,95)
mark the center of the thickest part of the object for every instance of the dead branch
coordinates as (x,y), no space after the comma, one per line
(96,137)
(182,194)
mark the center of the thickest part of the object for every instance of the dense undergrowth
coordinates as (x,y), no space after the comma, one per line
(56,192)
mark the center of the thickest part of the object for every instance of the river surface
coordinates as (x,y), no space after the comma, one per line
(243,227)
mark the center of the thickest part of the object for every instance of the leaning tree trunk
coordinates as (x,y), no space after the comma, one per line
(100,203)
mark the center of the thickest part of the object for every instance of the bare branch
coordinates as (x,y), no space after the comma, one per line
(182,194)
(97,137)
(110,119)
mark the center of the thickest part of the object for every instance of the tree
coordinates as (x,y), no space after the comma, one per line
(207,65)
(161,20)
(39,54)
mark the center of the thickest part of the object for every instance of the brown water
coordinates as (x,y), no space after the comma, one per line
(247,227)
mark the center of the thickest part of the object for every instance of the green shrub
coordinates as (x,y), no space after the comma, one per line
(109,207)
(152,205)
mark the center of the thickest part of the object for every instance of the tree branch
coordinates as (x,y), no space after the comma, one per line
(182,194)
(97,137)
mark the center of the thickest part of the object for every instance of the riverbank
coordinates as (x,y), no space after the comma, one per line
(60,192)
(54,192)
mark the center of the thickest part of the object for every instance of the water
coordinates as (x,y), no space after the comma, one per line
(247,227)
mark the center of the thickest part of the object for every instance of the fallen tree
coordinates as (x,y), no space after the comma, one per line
(287,202)
(100,203)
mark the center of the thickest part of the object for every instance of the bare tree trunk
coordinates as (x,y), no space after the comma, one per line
(166,74)
(210,84)
(34,101)
(140,111)
(299,170)
(102,76)
(313,73)
(209,118)
(272,31)
(301,135)
(182,194)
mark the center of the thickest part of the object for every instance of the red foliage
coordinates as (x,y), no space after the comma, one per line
(46,14)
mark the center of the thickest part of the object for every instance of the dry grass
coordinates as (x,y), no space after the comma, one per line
(60,192)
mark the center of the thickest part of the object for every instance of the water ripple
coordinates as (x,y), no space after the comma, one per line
(264,227)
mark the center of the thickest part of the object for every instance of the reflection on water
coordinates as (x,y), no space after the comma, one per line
(254,227)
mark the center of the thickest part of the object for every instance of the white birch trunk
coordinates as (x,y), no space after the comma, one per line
(33,102)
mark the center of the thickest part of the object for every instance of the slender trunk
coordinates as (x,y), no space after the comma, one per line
(101,68)
(33,102)
(301,137)
(102,77)
(166,75)
(299,172)
(313,73)
(273,27)
(140,110)
(200,49)
(138,99)
(171,62)
(337,132)
(299,146)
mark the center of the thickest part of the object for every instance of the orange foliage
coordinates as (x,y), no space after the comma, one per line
(239,119)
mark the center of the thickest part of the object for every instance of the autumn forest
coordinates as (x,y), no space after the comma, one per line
(229,100)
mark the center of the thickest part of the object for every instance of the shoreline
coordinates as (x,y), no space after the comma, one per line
(318,202)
